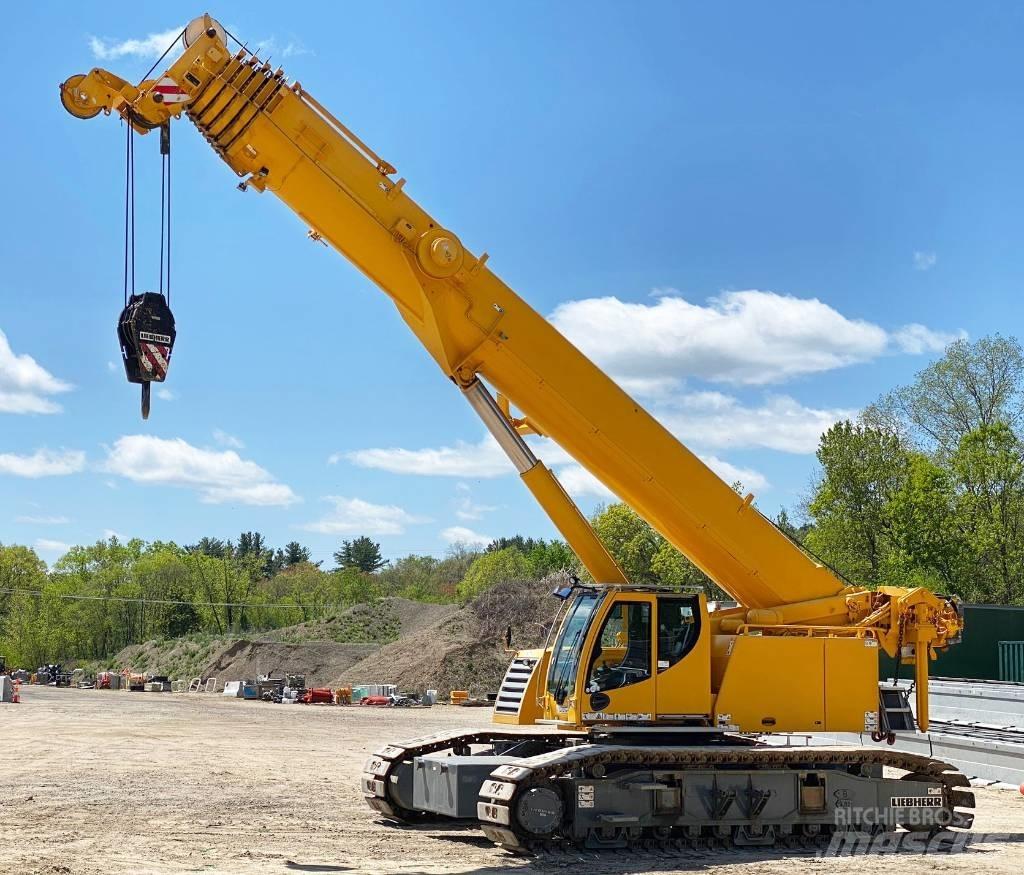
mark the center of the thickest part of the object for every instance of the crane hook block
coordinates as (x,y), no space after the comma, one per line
(145,330)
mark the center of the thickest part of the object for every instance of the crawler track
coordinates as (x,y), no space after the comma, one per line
(572,755)
(380,772)
(500,795)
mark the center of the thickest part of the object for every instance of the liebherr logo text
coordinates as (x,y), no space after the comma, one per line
(154,338)
(916,802)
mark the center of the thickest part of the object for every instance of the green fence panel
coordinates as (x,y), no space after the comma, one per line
(1011,661)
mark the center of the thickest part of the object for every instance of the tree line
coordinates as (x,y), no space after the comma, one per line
(925,488)
(99,598)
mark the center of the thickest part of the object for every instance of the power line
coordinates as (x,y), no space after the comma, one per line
(114,598)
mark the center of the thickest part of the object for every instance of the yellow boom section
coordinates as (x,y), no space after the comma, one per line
(276,136)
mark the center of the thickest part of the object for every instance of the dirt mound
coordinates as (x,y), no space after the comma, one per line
(394,640)
(466,651)
(176,657)
(380,622)
(319,662)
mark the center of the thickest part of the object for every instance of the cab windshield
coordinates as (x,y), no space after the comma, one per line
(565,657)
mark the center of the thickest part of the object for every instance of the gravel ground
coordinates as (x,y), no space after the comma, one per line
(98,783)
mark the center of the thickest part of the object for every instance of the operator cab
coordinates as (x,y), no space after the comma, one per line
(631,655)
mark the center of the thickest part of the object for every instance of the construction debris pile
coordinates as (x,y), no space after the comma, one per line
(276,686)
(291,689)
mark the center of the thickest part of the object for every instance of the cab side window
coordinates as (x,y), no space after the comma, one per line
(622,654)
(678,629)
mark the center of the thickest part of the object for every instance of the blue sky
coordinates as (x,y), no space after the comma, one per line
(757,216)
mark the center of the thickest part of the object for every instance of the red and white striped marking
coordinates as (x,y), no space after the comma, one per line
(155,359)
(170,90)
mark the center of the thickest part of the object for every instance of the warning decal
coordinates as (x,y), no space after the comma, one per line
(169,91)
(154,359)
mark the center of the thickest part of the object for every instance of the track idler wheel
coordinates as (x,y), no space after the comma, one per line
(540,811)
(929,829)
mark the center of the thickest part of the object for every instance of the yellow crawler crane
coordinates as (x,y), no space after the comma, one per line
(643,721)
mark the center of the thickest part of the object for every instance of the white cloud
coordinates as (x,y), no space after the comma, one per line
(281,48)
(753,481)
(149,47)
(466,509)
(43,520)
(924,260)
(915,339)
(482,459)
(715,420)
(227,440)
(53,549)
(649,387)
(24,383)
(43,463)
(165,394)
(746,337)
(462,535)
(110,533)
(353,516)
(580,483)
(709,419)
(111,367)
(219,476)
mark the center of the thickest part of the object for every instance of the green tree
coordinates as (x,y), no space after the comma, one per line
(643,554)
(927,544)
(110,616)
(492,568)
(671,568)
(294,553)
(252,546)
(412,577)
(361,553)
(22,632)
(630,539)
(795,531)
(357,587)
(990,472)
(163,578)
(862,469)
(883,513)
(210,547)
(222,583)
(522,544)
(20,568)
(551,557)
(972,386)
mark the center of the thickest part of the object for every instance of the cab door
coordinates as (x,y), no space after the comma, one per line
(683,657)
(618,673)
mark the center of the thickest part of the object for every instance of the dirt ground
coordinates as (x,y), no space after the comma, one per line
(100,783)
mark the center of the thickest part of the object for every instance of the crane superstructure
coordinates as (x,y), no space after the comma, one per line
(629,663)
